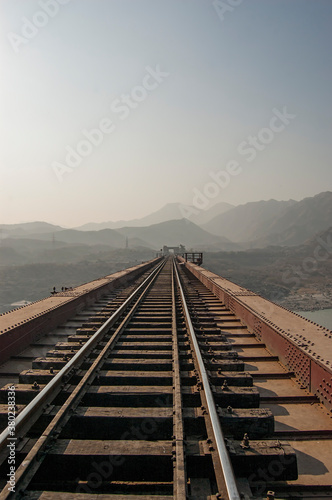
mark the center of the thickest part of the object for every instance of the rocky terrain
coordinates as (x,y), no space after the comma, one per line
(298,278)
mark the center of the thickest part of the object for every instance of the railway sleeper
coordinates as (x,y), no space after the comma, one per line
(227,366)
(40,377)
(93,324)
(221,347)
(131,364)
(236,397)
(86,331)
(219,377)
(140,355)
(144,338)
(81,339)
(277,457)
(211,354)
(145,397)
(24,393)
(208,331)
(57,353)
(154,317)
(61,346)
(165,346)
(52,363)
(256,422)
(148,332)
(74,492)
(142,377)
(142,325)
(137,378)
(138,460)
(152,423)
(202,336)
(189,378)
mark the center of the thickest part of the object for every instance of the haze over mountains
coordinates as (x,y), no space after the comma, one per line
(248,222)
(221,228)
(259,245)
(272,222)
(171,211)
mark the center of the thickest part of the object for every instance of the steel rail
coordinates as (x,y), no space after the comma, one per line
(57,380)
(180,479)
(230,481)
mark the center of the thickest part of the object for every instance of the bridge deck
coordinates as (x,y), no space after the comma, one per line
(156,402)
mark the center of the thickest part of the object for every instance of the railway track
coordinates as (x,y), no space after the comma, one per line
(160,391)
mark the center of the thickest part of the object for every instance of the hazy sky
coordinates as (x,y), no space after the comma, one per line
(178,89)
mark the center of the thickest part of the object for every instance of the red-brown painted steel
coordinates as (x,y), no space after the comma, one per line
(20,327)
(303,346)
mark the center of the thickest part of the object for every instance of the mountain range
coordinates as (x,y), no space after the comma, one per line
(222,227)
(249,221)
(283,223)
(171,211)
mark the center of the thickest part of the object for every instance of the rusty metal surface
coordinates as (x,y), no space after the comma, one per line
(302,345)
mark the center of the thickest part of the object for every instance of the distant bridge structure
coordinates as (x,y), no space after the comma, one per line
(194,257)
(177,250)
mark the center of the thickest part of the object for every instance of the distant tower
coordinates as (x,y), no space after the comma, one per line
(126,241)
(53,241)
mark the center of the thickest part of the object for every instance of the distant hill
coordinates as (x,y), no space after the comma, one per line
(70,245)
(72,236)
(282,223)
(168,212)
(27,228)
(204,216)
(247,222)
(171,211)
(174,232)
(299,222)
